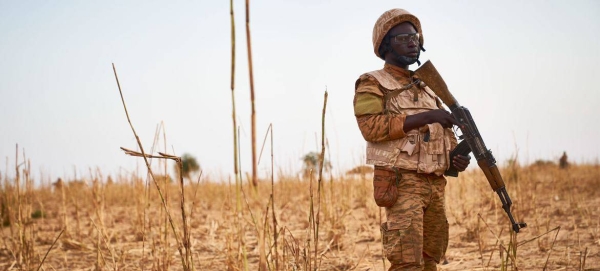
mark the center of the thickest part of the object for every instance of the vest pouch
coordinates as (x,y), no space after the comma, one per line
(435,141)
(432,157)
(385,186)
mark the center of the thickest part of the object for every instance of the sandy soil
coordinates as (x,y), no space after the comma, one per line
(105,229)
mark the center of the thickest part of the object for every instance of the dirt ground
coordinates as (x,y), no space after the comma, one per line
(113,227)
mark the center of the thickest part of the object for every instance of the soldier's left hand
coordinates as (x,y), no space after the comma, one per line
(461,162)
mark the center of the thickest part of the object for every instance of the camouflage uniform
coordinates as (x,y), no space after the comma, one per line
(415,235)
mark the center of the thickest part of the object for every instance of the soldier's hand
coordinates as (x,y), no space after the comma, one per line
(461,162)
(442,117)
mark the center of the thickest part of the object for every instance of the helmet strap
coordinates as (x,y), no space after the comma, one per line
(422,49)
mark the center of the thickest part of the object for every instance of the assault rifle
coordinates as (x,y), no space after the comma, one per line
(471,139)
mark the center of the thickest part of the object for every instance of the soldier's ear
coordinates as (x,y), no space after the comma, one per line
(384,48)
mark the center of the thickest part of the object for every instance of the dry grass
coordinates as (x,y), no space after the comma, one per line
(105,227)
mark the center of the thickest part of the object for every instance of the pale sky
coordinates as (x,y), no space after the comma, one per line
(527,70)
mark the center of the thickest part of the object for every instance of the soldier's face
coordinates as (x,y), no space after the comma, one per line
(404,39)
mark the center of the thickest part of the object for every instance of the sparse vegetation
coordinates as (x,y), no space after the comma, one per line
(102,230)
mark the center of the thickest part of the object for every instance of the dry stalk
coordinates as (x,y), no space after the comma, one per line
(75,201)
(272,245)
(275,231)
(99,255)
(241,245)
(29,229)
(582,259)
(7,210)
(262,253)
(19,222)
(551,247)
(50,248)
(233,114)
(98,202)
(253,111)
(311,225)
(258,232)
(537,237)
(187,259)
(23,233)
(65,218)
(166,184)
(272,196)
(103,237)
(511,252)
(240,214)
(321,163)
(195,193)
(186,228)
(184,258)
(146,200)
(495,236)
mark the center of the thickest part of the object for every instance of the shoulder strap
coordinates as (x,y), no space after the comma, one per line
(388,82)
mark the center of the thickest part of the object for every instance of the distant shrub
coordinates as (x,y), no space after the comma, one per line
(38,214)
(543,163)
(361,171)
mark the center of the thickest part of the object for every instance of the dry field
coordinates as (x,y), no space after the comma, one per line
(98,224)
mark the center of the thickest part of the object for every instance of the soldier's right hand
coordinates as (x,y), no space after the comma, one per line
(442,117)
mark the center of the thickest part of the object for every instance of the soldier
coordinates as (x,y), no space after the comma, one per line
(562,162)
(409,138)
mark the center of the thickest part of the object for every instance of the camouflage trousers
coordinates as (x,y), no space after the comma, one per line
(415,236)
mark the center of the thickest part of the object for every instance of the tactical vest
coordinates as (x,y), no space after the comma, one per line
(426,149)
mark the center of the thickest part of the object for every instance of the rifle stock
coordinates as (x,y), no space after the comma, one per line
(434,80)
(470,134)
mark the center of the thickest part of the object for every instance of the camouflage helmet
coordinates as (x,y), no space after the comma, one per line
(388,20)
